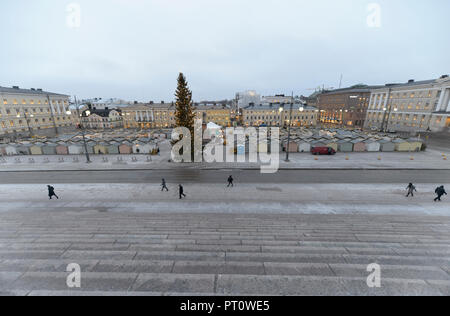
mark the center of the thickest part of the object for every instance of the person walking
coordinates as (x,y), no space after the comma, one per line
(51,192)
(164,186)
(411,188)
(181,191)
(230,181)
(440,191)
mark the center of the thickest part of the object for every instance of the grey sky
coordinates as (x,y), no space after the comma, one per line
(134,49)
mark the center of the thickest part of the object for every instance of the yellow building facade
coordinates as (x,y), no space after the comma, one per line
(31,111)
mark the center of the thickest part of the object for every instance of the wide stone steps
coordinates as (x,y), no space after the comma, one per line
(221,267)
(222,284)
(157,254)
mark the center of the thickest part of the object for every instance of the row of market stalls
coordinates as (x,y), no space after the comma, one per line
(119,141)
(125,147)
(355,145)
(349,141)
(303,140)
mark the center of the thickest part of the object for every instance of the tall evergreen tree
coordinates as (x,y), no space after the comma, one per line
(184,114)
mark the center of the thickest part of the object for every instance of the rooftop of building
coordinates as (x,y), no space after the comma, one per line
(147,106)
(32,91)
(354,89)
(361,88)
(277,106)
(100,112)
(202,107)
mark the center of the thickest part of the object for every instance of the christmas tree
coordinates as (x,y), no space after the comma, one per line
(184,114)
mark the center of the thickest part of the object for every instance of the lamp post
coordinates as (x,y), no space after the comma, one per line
(280,111)
(289,128)
(87,113)
(30,130)
(387,110)
(52,115)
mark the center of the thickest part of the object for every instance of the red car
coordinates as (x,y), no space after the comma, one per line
(323,151)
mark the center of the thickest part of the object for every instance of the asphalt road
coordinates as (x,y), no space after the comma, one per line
(220,176)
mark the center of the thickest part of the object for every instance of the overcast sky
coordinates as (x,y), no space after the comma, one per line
(134,49)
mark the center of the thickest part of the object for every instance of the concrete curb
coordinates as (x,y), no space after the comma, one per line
(224,168)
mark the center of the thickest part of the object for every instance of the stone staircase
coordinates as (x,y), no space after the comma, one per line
(220,254)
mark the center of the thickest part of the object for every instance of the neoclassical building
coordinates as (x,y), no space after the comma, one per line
(415,106)
(162,115)
(145,116)
(29,112)
(102,118)
(278,115)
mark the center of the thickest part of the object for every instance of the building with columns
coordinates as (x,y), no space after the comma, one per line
(278,115)
(415,106)
(162,115)
(146,116)
(31,112)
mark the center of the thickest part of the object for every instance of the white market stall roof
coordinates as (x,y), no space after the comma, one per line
(212,125)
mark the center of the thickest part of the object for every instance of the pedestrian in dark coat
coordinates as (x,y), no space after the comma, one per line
(411,188)
(230,181)
(51,192)
(181,191)
(164,186)
(440,191)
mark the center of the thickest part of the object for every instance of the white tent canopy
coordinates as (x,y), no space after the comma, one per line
(212,125)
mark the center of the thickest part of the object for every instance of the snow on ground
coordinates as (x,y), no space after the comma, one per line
(424,160)
(216,198)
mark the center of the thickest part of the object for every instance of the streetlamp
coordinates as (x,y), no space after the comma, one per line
(30,131)
(87,113)
(289,128)
(52,114)
(280,110)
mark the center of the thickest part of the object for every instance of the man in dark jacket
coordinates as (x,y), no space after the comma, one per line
(164,186)
(181,191)
(230,181)
(51,192)
(440,192)
(411,188)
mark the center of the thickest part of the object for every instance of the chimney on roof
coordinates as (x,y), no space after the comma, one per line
(411,81)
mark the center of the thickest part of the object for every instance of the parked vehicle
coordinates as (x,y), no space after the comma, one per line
(323,151)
